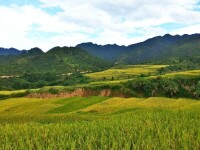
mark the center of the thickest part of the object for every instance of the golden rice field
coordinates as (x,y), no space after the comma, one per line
(11,92)
(108,82)
(185,73)
(191,73)
(125,72)
(121,74)
(117,104)
(99,123)
(97,104)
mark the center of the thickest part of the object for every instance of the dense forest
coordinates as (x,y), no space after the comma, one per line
(167,87)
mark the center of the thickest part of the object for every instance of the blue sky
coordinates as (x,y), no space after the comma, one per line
(20,2)
(48,23)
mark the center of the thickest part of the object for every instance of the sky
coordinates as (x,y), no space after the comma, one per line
(48,23)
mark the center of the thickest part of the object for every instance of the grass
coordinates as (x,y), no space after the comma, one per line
(99,123)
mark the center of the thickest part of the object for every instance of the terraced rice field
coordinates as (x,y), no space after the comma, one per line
(90,104)
(185,73)
(126,72)
(99,123)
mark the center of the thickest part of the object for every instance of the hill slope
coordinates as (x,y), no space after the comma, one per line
(185,49)
(107,52)
(158,48)
(144,52)
(59,60)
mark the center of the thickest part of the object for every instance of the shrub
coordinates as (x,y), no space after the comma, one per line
(54,91)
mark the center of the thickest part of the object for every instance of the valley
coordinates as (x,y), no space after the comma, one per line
(99,75)
(134,99)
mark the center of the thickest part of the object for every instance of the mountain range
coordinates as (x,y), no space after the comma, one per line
(135,53)
(9,51)
(165,49)
(142,52)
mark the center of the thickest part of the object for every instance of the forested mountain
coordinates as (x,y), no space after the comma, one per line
(185,49)
(9,51)
(58,60)
(184,55)
(159,48)
(107,52)
(144,52)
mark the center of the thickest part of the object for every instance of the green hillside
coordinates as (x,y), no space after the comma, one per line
(59,66)
(59,60)
(167,50)
(159,49)
(184,55)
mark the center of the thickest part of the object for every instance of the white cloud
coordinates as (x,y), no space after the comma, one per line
(187,30)
(111,21)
